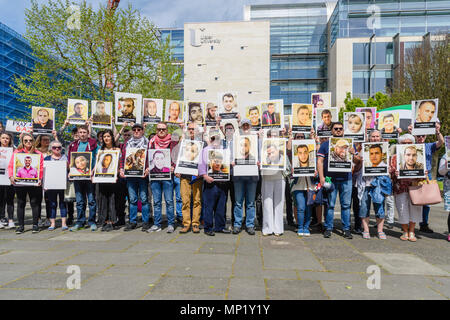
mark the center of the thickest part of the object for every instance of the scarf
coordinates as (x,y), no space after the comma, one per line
(137,143)
(161,143)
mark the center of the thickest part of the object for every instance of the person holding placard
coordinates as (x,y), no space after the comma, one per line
(408,214)
(430,149)
(56,150)
(163,140)
(27,146)
(191,185)
(245,186)
(107,191)
(7,192)
(342,182)
(84,188)
(137,186)
(214,192)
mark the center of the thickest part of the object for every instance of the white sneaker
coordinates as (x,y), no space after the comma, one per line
(154,228)
(170,229)
(11,225)
(2,225)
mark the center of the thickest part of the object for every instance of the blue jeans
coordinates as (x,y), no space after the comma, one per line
(178,200)
(85,189)
(426,209)
(158,187)
(364,209)
(53,199)
(244,188)
(214,199)
(345,196)
(138,189)
(303,210)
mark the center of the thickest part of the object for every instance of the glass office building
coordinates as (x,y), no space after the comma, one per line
(385,31)
(176,39)
(298,47)
(15,60)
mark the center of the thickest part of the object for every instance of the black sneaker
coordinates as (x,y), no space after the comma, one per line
(424,228)
(348,234)
(251,231)
(358,231)
(20,230)
(236,230)
(180,221)
(130,226)
(145,226)
(35,229)
(389,226)
(327,234)
(210,233)
(118,225)
(69,221)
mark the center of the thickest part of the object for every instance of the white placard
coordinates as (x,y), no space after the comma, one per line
(188,157)
(55,173)
(5,158)
(18,126)
(245,170)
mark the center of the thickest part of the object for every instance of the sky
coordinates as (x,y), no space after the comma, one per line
(164,14)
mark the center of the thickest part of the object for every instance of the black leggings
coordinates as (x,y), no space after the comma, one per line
(35,195)
(106,198)
(7,199)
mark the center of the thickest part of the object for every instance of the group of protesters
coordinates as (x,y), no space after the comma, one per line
(194,202)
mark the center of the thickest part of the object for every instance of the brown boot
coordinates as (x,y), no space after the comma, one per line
(195,229)
(185,229)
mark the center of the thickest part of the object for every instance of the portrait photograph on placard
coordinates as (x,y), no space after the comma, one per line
(228,105)
(324,118)
(152,110)
(128,107)
(101,114)
(43,120)
(174,111)
(134,165)
(411,160)
(189,156)
(273,154)
(340,158)
(219,164)
(253,113)
(370,115)
(303,158)
(5,156)
(159,164)
(424,113)
(272,113)
(302,115)
(355,125)
(77,111)
(388,123)
(246,149)
(194,112)
(27,169)
(106,166)
(376,158)
(211,114)
(321,100)
(80,166)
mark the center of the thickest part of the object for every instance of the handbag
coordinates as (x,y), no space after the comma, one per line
(69,194)
(426,192)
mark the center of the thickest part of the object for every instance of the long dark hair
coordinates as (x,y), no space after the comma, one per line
(113,142)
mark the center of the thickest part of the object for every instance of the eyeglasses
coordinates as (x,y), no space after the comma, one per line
(26,141)
(56,148)
(161,129)
(137,129)
(191,128)
(338,129)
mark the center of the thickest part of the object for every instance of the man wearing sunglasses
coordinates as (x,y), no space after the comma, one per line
(342,182)
(137,186)
(430,149)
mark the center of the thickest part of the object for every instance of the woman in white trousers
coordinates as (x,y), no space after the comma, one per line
(272,190)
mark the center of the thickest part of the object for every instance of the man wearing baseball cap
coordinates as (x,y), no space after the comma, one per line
(342,181)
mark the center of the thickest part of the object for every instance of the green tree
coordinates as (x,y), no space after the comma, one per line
(425,74)
(92,55)
(350,105)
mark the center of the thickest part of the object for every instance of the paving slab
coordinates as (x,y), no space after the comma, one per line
(217,248)
(287,259)
(205,272)
(182,296)
(45,281)
(197,285)
(295,290)
(34,257)
(330,276)
(399,263)
(108,258)
(246,289)
(28,294)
